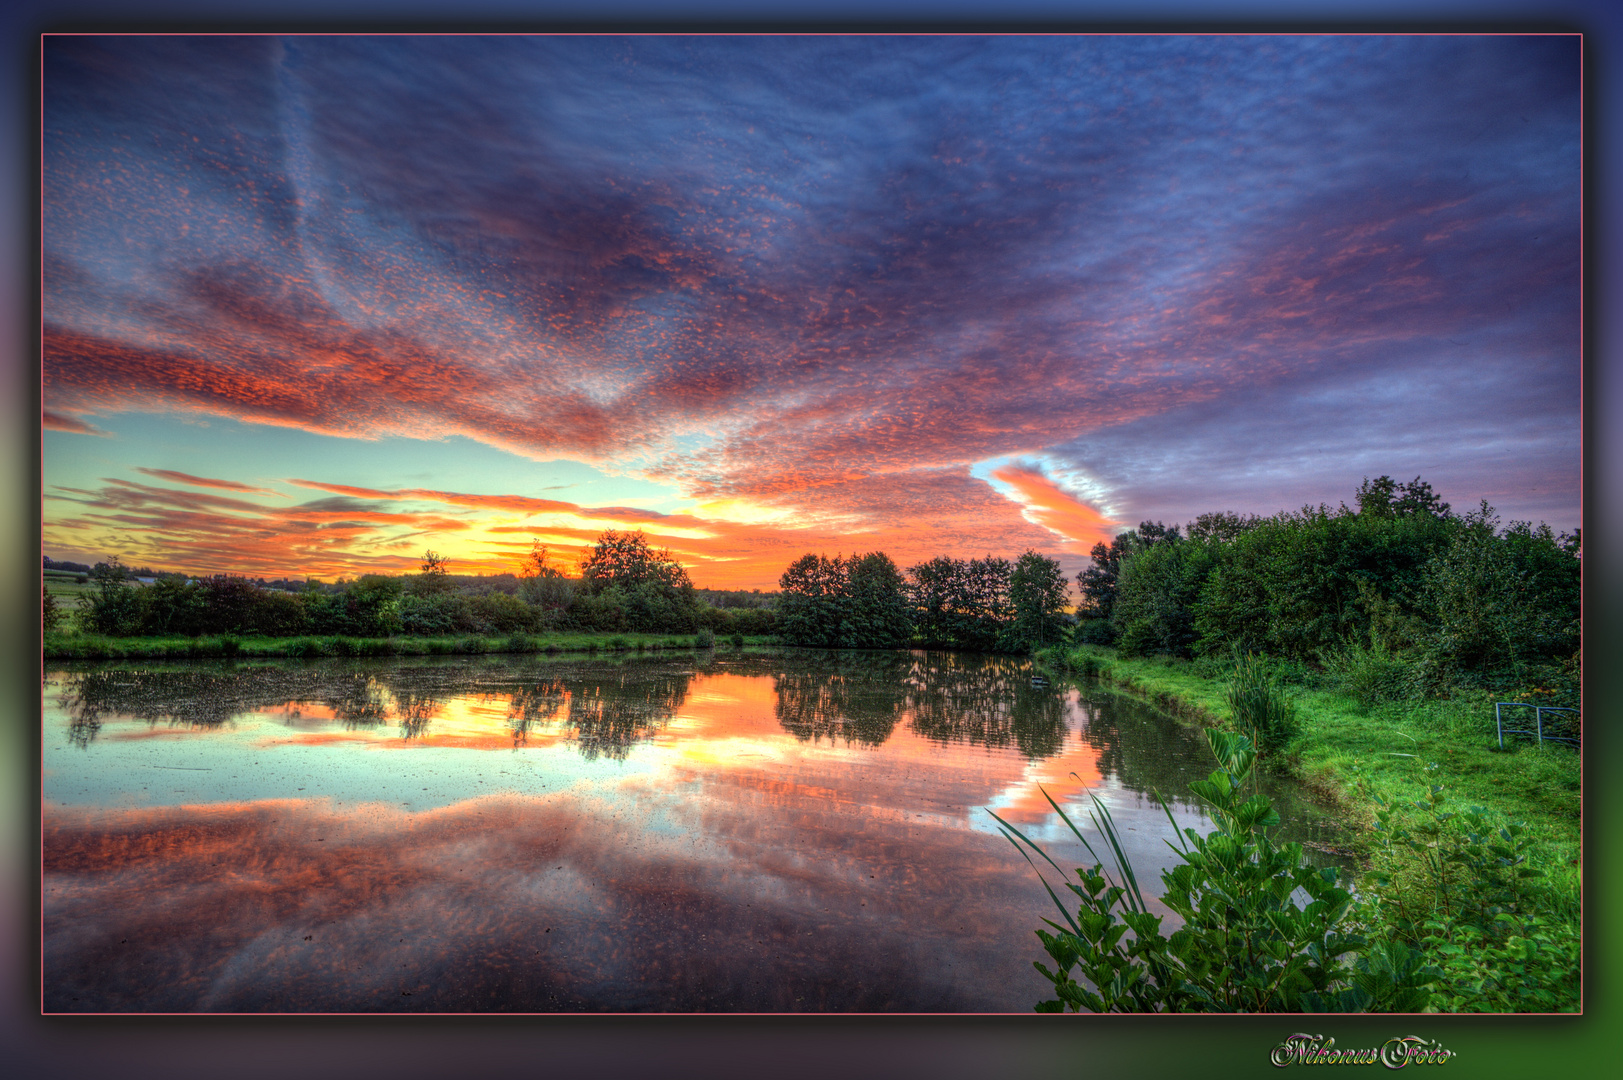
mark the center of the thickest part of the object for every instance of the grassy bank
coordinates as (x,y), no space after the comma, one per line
(81,646)
(1348,753)
(1471,854)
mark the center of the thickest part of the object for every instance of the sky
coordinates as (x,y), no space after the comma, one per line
(314,304)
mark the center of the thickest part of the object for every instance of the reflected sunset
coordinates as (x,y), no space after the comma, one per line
(531,834)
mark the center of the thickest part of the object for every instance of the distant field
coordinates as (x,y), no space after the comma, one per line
(64,584)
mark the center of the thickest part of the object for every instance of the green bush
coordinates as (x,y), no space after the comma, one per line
(1094,631)
(1504,603)
(499,613)
(1461,887)
(705,639)
(1157,594)
(1371,674)
(1246,944)
(50,614)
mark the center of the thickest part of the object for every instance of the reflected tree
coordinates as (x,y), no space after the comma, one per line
(358,702)
(533,705)
(195,698)
(986,701)
(856,697)
(610,714)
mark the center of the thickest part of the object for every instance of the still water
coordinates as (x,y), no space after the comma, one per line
(705,831)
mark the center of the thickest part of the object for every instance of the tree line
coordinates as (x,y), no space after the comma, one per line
(623,584)
(1397,593)
(866,601)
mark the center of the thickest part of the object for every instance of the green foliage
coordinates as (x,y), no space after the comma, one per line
(1371,674)
(843,603)
(959,603)
(1259,705)
(1462,888)
(1290,586)
(1037,596)
(625,585)
(1098,584)
(626,560)
(705,639)
(434,580)
(1246,944)
(1503,602)
(49,613)
(499,613)
(1157,592)
(115,608)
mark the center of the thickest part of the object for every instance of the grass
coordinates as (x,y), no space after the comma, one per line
(70,645)
(1348,753)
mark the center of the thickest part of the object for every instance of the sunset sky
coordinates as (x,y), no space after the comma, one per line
(315,304)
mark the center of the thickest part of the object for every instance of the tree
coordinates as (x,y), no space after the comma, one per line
(1037,594)
(1221,526)
(115,608)
(856,603)
(960,603)
(625,559)
(809,606)
(434,578)
(631,586)
(49,612)
(545,586)
(538,563)
(1385,497)
(877,614)
(1098,583)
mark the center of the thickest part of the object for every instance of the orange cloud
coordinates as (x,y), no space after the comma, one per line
(1054,508)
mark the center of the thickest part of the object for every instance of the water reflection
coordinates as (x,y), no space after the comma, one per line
(610,714)
(794,832)
(853,697)
(535,706)
(986,701)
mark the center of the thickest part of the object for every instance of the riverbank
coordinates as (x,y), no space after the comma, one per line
(80,646)
(1349,754)
(1492,896)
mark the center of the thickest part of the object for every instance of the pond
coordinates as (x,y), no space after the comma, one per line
(669,832)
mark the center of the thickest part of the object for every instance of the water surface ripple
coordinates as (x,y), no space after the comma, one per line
(673,832)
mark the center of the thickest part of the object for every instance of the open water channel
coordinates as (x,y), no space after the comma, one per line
(668,832)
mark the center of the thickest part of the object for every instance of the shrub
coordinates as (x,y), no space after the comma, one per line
(738,641)
(1371,674)
(1460,886)
(1246,945)
(1503,603)
(114,608)
(500,613)
(1094,630)
(429,615)
(705,639)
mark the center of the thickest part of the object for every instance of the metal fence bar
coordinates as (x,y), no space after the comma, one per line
(1538,723)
